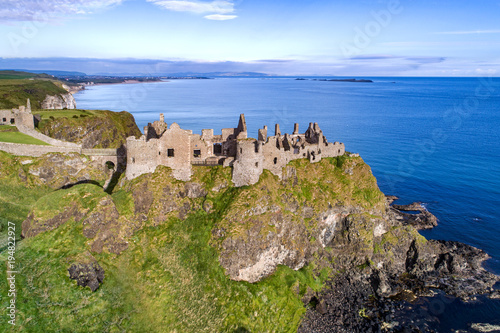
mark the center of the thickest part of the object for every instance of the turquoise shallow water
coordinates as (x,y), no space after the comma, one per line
(434,140)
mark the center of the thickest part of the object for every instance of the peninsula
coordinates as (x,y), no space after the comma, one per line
(205,232)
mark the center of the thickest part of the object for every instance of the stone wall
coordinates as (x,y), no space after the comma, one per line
(249,162)
(7,117)
(275,152)
(47,139)
(34,150)
(180,149)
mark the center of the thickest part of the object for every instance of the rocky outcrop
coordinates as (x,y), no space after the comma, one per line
(329,214)
(87,274)
(59,102)
(421,220)
(32,226)
(61,170)
(93,129)
(102,225)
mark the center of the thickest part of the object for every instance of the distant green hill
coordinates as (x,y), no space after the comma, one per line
(16,87)
(13,75)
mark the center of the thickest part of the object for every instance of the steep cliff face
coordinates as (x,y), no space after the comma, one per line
(92,129)
(185,251)
(59,102)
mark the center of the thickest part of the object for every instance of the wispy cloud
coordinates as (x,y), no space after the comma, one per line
(43,10)
(220,17)
(468,32)
(218,10)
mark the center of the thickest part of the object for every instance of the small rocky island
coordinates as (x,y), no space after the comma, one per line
(206,233)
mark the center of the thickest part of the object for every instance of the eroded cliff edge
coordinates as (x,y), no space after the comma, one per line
(165,240)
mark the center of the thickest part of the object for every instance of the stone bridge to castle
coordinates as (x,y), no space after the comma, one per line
(102,156)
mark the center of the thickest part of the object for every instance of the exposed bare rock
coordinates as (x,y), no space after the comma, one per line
(32,226)
(422,220)
(58,170)
(59,102)
(102,225)
(87,274)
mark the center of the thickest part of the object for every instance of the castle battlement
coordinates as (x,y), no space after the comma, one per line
(181,149)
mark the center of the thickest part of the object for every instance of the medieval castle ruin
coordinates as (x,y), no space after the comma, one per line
(20,116)
(181,149)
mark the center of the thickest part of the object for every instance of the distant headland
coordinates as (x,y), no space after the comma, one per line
(336,80)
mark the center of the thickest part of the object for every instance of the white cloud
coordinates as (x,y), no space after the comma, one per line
(220,17)
(469,32)
(217,10)
(43,10)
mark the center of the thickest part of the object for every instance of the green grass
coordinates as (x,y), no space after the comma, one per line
(17,196)
(74,125)
(8,128)
(15,92)
(12,75)
(168,280)
(18,137)
(46,114)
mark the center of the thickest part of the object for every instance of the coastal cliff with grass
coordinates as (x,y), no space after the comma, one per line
(90,128)
(157,254)
(44,91)
(315,247)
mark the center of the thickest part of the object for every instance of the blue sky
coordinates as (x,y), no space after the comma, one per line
(352,38)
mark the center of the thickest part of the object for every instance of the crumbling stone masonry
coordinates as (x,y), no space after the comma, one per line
(18,117)
(181,149)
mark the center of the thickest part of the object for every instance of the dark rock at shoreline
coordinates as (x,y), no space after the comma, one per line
(422,220)
(383,296)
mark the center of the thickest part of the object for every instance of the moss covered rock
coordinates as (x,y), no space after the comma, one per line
(92,129)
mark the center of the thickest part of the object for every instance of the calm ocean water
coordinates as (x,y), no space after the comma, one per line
(434,140)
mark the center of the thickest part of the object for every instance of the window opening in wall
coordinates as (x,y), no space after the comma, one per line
(217,148)
(256,164)
(339,151)
(159,153)
(4,120)
(170,152)
(133,159)
(12,121)
(197,153)
(275,160)
(241,150)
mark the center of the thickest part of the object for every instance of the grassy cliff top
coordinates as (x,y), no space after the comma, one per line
(91,128)
(17,75)
(169,275)
(15,91)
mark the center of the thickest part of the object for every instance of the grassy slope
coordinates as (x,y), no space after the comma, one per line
(169,279)
(15,92)
(11,134)
(17,193)
(16,75)
(75,125)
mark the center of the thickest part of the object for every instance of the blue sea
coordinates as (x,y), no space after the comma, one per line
(434,140)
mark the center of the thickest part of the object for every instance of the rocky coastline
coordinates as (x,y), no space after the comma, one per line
(354,259)
(389,298)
